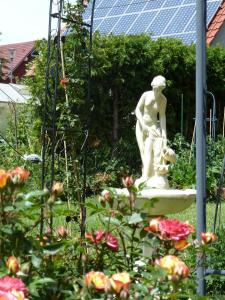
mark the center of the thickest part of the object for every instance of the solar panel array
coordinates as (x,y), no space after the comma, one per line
(159,18)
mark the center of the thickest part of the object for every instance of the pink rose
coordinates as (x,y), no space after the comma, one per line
(10,284)
(111,242)
(96,237)
(174,230)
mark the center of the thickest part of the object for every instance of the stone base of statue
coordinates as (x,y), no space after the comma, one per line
(160,201)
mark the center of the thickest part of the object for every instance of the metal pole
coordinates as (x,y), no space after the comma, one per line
(200,132)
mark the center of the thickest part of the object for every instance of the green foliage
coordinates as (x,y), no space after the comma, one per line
(182,173)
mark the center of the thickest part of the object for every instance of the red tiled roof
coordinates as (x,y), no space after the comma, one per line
(216,23)
(22,50)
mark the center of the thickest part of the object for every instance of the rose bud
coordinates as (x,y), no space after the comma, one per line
(64,81)
(154,224)
(3,178)
(62,232)
(208,237)
(57,188)
(13,264)
(106,195)
(128,181)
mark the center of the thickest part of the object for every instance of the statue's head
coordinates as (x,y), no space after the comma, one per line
(158,81)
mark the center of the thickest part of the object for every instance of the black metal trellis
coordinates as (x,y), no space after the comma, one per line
(50,102)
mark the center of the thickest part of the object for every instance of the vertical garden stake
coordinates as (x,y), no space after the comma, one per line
(200,133)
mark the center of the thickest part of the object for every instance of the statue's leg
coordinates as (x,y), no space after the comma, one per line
(157,150)
(140,140)
(148,158)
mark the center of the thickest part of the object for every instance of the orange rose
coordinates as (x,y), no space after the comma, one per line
(154,224)
(208,237)
(18,175)
(181,270)
(174,266)
(13,264)
(98,279)
(3,178)
(120,281)
(181,245)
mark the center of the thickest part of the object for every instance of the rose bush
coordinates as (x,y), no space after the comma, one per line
(56,262)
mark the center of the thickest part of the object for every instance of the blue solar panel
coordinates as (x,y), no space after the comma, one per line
(160,21)
(101,12)
(142,22)
(191,26)
(170,3)
(179,21)
(160,18)
(107,24)
(135,7)
(107,3)
(189,1)
(96,23)
(118,10)
(211,9)
(124,24)
(154,4)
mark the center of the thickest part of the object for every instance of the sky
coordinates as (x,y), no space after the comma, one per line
(23,20)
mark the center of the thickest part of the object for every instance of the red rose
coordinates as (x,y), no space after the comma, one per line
(174,230)
(111,241)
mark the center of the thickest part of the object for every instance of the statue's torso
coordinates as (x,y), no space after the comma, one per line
(152,107)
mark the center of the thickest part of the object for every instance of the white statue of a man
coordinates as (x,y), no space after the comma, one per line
(151,135)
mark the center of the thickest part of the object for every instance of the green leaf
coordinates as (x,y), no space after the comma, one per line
(36,261)
(113,221)
(35,194)
(9,208)
(52,249)
(43,281)
(136,218)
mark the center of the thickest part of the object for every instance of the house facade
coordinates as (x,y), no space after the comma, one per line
(13,61)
